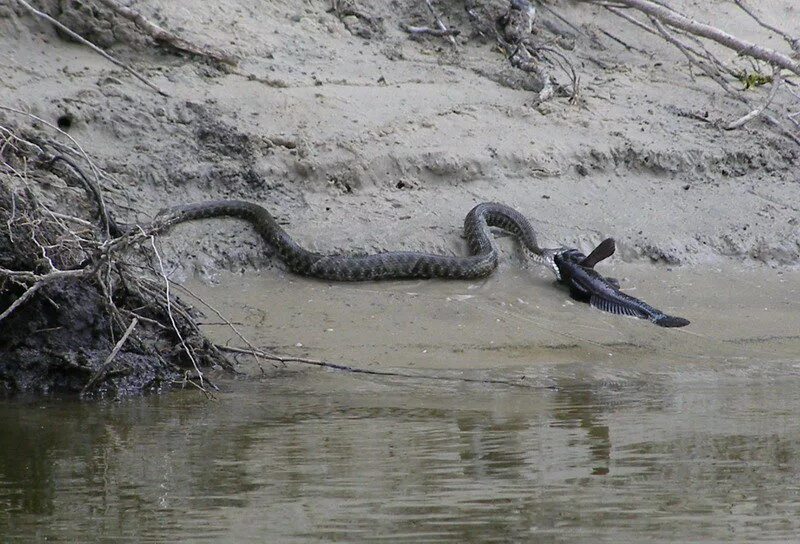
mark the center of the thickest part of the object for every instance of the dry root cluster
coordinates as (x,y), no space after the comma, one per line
(84,306)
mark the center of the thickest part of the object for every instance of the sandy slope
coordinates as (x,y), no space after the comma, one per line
(378,142)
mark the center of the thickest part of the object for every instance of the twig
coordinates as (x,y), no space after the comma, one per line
(169,311)
(667,35)
(718,78)
(224,319)
(439,23)
(164,36)
(38,281)
(78,151)
(89,44)
(684,48)
(620,41)
(52,247)
(776,83)
(794,43)
(742,47)
(29,292)
(695,57)
(72,219)
(356,370)
(561,18)
(110,359)
(187,379)
(423,30)
(569,70)
(94,189)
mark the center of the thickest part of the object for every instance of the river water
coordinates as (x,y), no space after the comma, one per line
(607,430)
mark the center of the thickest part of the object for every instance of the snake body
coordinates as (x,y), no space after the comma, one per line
(379,266)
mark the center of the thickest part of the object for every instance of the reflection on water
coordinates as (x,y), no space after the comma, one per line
(683,454)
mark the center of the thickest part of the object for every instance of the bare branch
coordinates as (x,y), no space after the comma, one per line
(423,30)
(794,43)
(668,22)
(742,47)
(102,370)
(776,83)
(89,44)
(164,36)
(169,312)
(21,300)
(77,151)
(224,319)
(355,370)
(687,51)
(38,281)
(440,24)
(94,189)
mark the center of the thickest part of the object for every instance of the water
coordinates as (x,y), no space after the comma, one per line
(655,437)
(322,456)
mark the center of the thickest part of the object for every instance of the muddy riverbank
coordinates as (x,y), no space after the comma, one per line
(361,139)
(502,410)
(353,140)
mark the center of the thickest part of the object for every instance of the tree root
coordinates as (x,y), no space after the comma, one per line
(67,288)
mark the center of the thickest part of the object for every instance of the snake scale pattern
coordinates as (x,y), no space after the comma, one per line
(379,266)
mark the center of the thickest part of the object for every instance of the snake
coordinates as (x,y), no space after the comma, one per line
(570,266)
(481,262)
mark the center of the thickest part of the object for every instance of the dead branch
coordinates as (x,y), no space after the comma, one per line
(94,189)
(24,297)
(512,32)
(678,30)
(425,30)
(695,58)
(52,262)
(793,42)
(102,370)
(169,312)
(166,37)
(75,149)
(566,66)
(776,83)
(442,27)
(89,44)
(742,47)
(561,18)
(225,320)
(389,373)
(36,281)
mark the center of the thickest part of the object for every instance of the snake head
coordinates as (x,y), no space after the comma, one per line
(548,258)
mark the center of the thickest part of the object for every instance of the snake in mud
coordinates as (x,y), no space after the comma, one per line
(380,266)
(569,265)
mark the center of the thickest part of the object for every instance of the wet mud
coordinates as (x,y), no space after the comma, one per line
(360,139)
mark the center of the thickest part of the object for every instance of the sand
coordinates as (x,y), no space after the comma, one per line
(360,138)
